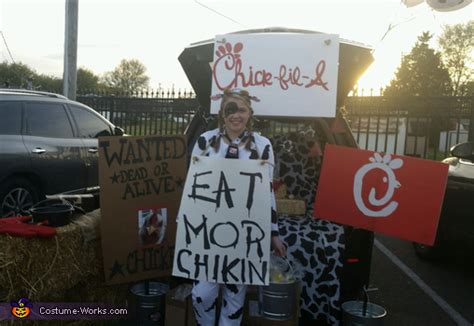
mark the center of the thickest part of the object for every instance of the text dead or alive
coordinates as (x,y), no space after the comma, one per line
(139,181)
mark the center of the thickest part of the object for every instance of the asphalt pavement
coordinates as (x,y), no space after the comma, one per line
(417,292)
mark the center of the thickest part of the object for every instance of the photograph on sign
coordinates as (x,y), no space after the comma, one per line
(152,225)
(289,74)
(395,195)
(224,222)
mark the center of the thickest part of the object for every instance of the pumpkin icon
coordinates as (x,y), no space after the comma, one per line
(21,309)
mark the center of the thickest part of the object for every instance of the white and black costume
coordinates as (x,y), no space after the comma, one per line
(214,143)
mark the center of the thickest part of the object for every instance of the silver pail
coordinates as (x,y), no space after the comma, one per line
(278,300)
(148,307)
(353,314)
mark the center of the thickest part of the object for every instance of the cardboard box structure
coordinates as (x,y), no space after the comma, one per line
(179,312)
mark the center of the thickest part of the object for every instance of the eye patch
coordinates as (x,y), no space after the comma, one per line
(232,108)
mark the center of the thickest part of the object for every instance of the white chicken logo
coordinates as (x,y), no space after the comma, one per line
(387,165)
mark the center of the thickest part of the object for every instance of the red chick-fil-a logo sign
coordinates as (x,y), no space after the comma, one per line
(395,195)
(292,75)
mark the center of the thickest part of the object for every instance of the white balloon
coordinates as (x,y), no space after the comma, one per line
(448,5)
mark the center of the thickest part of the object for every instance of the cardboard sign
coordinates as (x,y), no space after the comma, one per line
(394,195)
(291,74)
(141,181)
(224,226)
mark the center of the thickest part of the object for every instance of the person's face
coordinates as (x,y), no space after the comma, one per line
(236,114)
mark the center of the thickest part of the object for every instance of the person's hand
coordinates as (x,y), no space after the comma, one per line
(278,246)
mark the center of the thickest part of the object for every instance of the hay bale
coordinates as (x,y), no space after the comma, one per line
(65,268)
(92,289)
(43,269)
(291,206)
(281,190)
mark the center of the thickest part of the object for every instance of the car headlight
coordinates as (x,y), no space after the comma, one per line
(453,161)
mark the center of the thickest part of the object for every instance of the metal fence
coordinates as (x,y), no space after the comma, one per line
(424,127)
(144,115)
(419,126)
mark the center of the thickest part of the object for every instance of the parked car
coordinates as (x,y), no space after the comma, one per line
(456,224)
(353,60)
(48,145)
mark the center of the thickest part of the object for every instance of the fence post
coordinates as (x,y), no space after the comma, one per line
(112,109)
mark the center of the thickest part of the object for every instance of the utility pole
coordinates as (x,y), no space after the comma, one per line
(70,50)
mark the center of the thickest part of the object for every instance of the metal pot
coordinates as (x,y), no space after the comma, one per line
(56,213)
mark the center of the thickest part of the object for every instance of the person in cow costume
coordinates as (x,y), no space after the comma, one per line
(233,139)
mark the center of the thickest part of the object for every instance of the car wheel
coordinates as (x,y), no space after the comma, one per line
(426,252)
(17,195)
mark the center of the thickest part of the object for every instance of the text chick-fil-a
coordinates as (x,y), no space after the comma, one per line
(228,72)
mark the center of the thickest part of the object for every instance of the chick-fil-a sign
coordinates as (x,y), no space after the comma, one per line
(395,195)
(291,74)
(228,59)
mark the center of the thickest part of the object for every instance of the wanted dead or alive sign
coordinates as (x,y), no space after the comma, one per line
(224,222)
(141,180)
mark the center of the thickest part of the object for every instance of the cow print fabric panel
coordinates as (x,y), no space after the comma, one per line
(317,245)
(296,166)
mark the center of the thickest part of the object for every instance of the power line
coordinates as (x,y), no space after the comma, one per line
(393,24)
(6,45)
(220,14)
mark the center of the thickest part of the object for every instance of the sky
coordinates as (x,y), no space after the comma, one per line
(156,31)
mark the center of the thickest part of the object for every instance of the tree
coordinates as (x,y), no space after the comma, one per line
(48,83)
(86,80)
(421,72)
(15,75)
(128,76)
(470,88)
(457,45)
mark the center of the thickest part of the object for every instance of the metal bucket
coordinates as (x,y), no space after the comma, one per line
(148,308)
(353,314)
(277,300)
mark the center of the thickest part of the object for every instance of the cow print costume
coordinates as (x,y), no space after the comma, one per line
(316,244)
(204,294)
